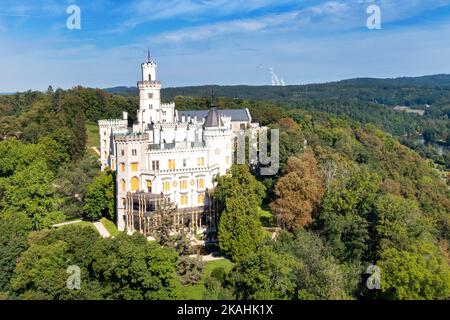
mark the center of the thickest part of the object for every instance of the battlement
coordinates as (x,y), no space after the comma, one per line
(131,137)
(113,123)
(170,105)
(149,84)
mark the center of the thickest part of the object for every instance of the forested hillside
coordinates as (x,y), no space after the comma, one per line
(352,197)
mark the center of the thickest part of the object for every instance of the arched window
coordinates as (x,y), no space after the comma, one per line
(200,183)
(149,77)
(201,198)
(149,186)
(184,200)
(123,185)
(134,184)
(184,184)
(166,186)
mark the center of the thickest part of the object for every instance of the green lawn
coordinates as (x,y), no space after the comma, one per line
(110,226)
(195,292)
(93,136)
(267,218)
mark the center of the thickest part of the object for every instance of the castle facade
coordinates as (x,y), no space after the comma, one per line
(169,155)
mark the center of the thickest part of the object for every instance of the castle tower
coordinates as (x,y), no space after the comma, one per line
(218,137)
(150,98)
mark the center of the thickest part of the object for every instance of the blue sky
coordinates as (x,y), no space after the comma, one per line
(199,42)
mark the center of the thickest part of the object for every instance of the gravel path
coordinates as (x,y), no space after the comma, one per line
(101,229)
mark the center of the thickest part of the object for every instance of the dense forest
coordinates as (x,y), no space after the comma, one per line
(352,197)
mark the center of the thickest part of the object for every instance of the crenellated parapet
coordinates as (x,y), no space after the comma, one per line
(132,137)
(170,105)
(113,123)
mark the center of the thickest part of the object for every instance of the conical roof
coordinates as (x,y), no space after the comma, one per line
(213,118)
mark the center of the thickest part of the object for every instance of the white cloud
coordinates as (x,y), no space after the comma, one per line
(227,28)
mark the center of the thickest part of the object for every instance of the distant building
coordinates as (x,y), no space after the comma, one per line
(169,154)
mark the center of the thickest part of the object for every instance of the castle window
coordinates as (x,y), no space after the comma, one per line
(200,162)
(122,185)
(184,200)
(149,185)
(184,184)
(134,184)
(155,165)
(134,166)
(149,77)
(166,185)
(200,183)
(150,95)
(201,198)
(122,152)
(171,164)
(185,163)
(133,152)
(105,155)
(122,167)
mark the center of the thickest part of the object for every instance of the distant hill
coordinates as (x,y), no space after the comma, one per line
(397,91)
(122,90)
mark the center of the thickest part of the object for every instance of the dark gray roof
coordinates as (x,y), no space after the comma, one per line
(213,119)
(235,114)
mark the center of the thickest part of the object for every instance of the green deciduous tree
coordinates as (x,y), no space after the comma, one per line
(347,214)
(264,275)
(99,199)
(412,275)
(14,229)
(31,191)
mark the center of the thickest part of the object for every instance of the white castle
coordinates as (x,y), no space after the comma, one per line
(169,154)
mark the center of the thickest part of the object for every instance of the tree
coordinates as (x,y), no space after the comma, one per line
(136,269)
(165,213)
(72,115)
(414,275)
(72,182)
(125,267)
(318,274)
(31,191)
(99,199)
(299,192)
(347,214)
(56,154)
(400,223)
(239,226)
(14,229)
(264,275)
(189,270)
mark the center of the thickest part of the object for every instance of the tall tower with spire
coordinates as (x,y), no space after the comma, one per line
(150,95)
